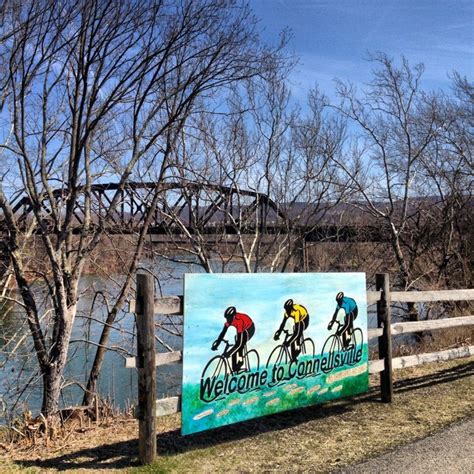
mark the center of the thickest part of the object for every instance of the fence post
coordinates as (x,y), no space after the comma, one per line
(382,283)
(146,368)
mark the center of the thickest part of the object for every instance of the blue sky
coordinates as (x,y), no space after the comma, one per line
(261,296)
(332,37)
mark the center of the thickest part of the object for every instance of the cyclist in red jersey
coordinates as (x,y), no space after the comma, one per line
(245,328)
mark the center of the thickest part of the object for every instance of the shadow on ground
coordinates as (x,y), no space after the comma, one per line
(124,454)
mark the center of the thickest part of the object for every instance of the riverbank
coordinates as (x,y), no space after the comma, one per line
(114,253)
(320,438)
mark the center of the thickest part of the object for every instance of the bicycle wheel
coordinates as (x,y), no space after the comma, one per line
(308,347)
(252,361)
(332,344)
(357,338)
(216,367)
(278,357)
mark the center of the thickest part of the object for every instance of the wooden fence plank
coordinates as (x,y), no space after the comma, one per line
(164,358)
(161,358)
(432,324)
(376,366)
(169,305)
(373,297)
(372,333)
(427,296)
(165,305)
(440,356)
(429,325)
(420,359)
(174,304)
(168,406)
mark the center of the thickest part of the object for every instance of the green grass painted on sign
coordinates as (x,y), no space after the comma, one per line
(268,399)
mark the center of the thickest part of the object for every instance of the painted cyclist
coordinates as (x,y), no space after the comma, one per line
(348,308)
(245,329)
(300,316)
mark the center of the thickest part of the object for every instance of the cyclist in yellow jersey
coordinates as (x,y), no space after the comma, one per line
(301,321)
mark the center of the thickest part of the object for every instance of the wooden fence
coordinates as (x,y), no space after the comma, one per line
(146,306)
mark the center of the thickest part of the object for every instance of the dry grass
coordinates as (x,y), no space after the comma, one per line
(320,438)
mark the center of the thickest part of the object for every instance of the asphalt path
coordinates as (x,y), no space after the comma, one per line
(449,451)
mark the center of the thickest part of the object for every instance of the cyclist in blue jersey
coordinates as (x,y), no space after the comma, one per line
(349,306)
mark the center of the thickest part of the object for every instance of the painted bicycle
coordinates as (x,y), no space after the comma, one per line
(221,365)
(335,344)
(281,354)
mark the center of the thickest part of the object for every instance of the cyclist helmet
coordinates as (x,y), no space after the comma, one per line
(230,313)
(288,304)
(339,296)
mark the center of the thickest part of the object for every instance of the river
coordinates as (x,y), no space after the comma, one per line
(116,383)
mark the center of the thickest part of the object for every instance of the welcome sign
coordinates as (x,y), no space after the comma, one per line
(257,344)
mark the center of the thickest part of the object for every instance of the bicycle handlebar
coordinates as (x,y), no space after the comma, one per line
(227,343)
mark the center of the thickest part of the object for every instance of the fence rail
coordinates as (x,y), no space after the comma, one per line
(145,306)
(417,326)
(420,359)
(173,305)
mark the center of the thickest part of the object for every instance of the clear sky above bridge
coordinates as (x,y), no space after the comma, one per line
(332,37)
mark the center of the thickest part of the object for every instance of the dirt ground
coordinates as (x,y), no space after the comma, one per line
(320,439)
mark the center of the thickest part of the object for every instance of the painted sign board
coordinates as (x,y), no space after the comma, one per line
(257,344)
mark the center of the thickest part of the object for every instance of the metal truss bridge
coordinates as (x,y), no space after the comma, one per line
(190,208)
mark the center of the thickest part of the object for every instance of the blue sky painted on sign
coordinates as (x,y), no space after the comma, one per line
(261,296)
(332,37)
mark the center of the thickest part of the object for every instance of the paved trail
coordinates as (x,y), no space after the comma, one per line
(450,451)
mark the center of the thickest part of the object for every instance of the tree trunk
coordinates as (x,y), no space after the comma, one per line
(300,256)
(91,388)
(4,263)
(54,371)
(51,391)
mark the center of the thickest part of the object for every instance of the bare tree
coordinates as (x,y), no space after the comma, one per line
(409,167)
(268,179)
(386,154)
(447,172)
(98,91)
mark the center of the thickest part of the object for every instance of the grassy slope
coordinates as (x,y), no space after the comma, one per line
(319,438)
